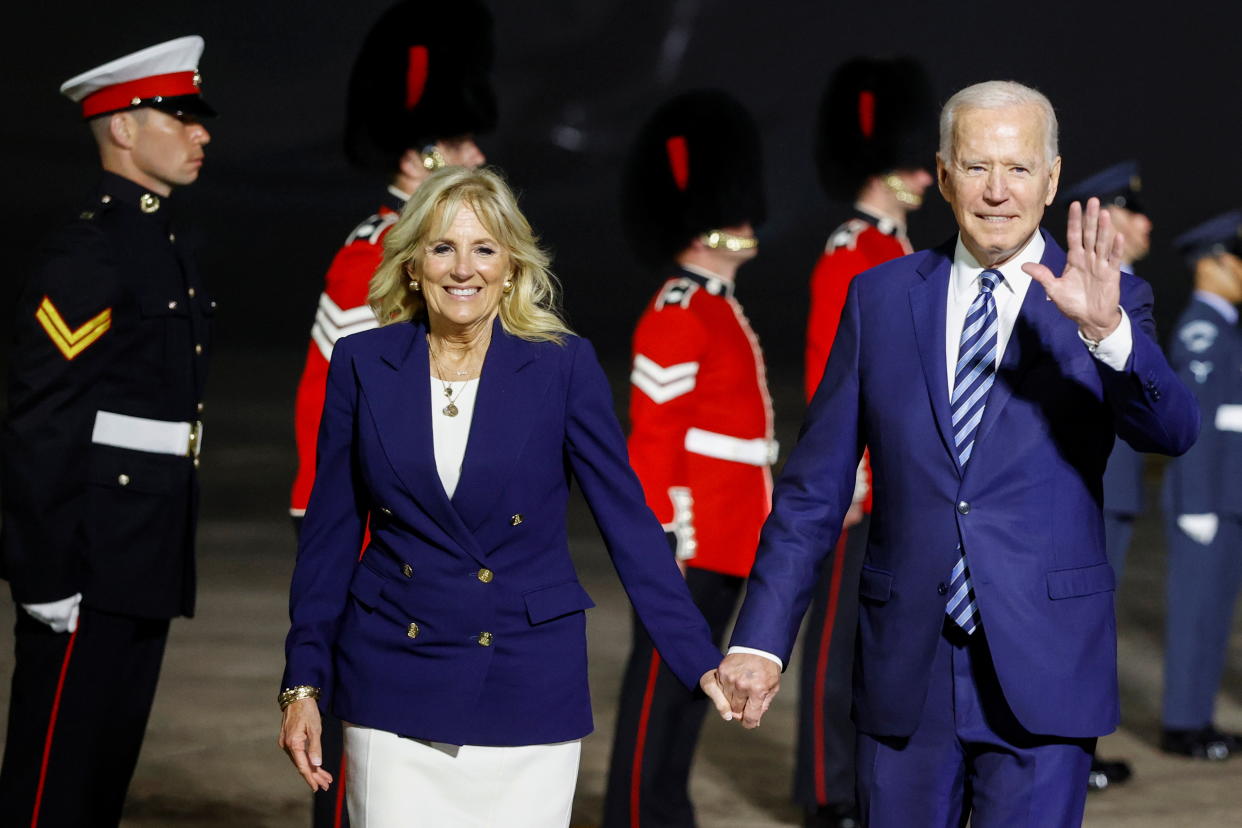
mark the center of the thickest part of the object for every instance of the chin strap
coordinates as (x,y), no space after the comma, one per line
(716,239)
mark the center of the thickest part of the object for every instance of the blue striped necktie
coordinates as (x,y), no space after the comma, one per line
(972,380)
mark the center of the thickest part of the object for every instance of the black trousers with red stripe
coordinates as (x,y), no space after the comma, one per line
(824,766)
(658,722)
(77,715)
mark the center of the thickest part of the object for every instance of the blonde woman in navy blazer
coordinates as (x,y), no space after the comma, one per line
(461,629)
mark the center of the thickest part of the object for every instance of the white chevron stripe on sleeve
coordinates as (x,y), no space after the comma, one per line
(332,322)
(663,384)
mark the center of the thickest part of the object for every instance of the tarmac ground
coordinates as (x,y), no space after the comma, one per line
(210,757)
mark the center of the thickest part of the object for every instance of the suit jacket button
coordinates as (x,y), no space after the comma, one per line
(942,588)
(412,630)
(516,520)
(407,570)
(485,575)
(963,507)
(485,639)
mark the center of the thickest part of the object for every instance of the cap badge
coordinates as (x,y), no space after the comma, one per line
(148,203)
(197,80)
(1136,183)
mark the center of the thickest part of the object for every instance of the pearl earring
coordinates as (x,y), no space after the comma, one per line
(414,285)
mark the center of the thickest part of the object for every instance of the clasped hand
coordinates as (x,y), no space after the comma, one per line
(750,683)
(1088,291)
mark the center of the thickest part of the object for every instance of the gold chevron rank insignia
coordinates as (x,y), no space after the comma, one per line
(70,342)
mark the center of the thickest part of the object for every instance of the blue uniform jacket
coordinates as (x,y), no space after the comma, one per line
(416,638)
(1026,509)
(1206,352)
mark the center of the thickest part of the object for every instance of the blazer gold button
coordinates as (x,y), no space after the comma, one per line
(172,305)
(123,479)
(485,575)
(412,630)
(191,292)
(407,570)
(485,639)
(198,349)
(516,520)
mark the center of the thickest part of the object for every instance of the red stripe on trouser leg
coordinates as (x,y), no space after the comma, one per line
(340,793)
(51,729)
(821,668)
(640,740)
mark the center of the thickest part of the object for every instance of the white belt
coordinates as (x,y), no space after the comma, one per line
(141,434)
(756,452)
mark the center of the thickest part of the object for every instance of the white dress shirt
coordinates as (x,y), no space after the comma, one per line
(1113,350)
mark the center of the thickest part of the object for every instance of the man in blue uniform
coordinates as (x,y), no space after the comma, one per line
(1203,506)
(100,446)
(1118,189)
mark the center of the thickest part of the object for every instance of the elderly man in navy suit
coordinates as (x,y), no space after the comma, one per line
(989,377)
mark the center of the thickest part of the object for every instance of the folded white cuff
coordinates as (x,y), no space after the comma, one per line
(753,651)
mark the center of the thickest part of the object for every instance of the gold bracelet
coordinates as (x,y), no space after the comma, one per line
(292,694)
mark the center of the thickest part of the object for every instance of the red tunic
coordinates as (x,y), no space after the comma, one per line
(343,310)
(859,244)
(702,424)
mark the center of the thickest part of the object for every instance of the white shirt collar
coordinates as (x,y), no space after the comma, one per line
(966,269)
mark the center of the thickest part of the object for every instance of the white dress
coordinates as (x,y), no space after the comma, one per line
(397,782)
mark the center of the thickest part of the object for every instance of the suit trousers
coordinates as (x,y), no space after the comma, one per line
(969,758)
(824,766)
(77,715)
(1201,592)
(658,722)
(397,782)
(328,808)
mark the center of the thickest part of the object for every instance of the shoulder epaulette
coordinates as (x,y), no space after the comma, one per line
(846,235)
(676,292)
(372,229)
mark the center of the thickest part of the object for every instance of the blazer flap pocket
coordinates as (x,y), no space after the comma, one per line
(875,584)
(367,585)
(136,471)
(1085,580)
(550,602)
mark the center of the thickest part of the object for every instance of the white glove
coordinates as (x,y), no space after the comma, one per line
(61,616)
(1200,528)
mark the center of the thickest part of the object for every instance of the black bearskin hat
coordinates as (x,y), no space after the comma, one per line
(695,165)
(423,74)
(876,115)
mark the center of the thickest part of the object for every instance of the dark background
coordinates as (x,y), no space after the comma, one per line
(574,77)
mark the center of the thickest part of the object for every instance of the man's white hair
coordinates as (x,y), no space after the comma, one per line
(997,95)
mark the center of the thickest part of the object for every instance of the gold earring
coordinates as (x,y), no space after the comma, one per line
(415,286)
(508,285)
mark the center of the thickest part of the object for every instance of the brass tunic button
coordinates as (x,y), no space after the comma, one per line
(199,408)
(516,520)
(485,575)
(172,237)
(485,639)
(191,292)
(123,479)
(172,305)
(198,349)
(196,462)
(407,570)
(412,630)
(107,199)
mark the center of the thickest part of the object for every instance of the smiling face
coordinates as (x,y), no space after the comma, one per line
(462,275)
(998,180)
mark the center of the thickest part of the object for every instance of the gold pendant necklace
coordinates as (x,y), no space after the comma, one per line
(451,409)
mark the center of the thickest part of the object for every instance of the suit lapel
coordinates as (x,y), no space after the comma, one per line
(397,386)
(928,301)
(509,397)
(1024,345)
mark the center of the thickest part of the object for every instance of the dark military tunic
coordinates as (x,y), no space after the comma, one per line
(114,319)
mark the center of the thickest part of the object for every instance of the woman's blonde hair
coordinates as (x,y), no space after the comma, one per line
(529,310)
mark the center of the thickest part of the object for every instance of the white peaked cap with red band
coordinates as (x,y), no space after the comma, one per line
(164,76)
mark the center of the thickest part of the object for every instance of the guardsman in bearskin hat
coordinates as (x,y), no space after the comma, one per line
(1202,505)
(701,416)
(100,448)
(874,142)
(1118,189)
(419,94)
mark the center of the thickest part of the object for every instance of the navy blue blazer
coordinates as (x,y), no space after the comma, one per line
(464,620)
(1026,509)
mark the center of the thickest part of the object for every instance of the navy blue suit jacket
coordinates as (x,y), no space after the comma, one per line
(1027,508)
(543,413)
